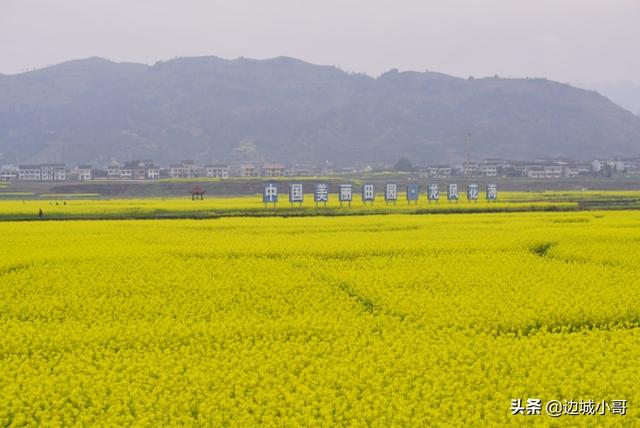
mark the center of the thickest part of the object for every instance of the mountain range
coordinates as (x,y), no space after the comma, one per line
(212,109)
(625,94)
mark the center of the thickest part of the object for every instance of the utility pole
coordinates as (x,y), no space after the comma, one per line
(467,147)
(467,154)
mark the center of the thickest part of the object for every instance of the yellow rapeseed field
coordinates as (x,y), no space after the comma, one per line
(394,320)
(69,208)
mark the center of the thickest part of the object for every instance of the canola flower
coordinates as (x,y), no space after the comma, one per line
(391,320)
(64,207)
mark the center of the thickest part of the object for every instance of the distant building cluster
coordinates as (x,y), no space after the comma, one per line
(539,169)
(144,170)
(188,169)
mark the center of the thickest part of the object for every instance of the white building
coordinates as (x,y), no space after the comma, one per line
(570,171)
(489,170)
(470,168)
(53,172)
(546,171)
(185,169)
(273,169)
(248,170)
(84,173)
(177,171)
(439,171)
(45,172)
(190,169)
(8,174)
(576,170)
(217,171)
(614,165)
(536,173)
(29,173)
(632,166)
(113,172)
(497,162)
(153,173)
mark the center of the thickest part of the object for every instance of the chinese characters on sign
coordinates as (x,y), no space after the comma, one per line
(368,193)
(433,194)
(492,192)
(345,194)
(321,194)
(557,408)
(270,194)
(413,191)
(296,194)
(391,193)
(472,192)
(452,195)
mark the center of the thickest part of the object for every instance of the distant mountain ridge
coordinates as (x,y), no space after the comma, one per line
(625,94)
(208,108)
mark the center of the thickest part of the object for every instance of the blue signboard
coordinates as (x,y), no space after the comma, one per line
(413,191)
(452,194)
(492,192)
(270,194)
(433,194)
(390,192)
(368,193)
(321,193)
(472,192)
(346,193)
(296,193)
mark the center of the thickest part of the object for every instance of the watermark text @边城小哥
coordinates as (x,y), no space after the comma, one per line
(557,408)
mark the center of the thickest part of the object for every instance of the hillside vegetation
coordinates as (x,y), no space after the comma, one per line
(208,108)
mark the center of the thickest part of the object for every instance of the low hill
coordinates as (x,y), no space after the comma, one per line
(209,108)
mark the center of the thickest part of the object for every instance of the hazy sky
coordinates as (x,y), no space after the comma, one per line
(565,40)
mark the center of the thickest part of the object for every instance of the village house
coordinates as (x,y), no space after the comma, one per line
(113,172)
(575,170)
(217,171)
(29,173)
(191,170)
(439,171)
(135,170)
(177,171)
(139,173)
(185,169)
(126,174)
(490,167)
(53,172)
(536,173)
(138,170)
(298,172)
(273,170)
(497,162)
(470,169)
(188,167)
(83,172)
(44,172)
(632,166)
(545,171)
(488,170)
(153,172)
(599,165)
(9,174)
(247,170)
(553,171)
